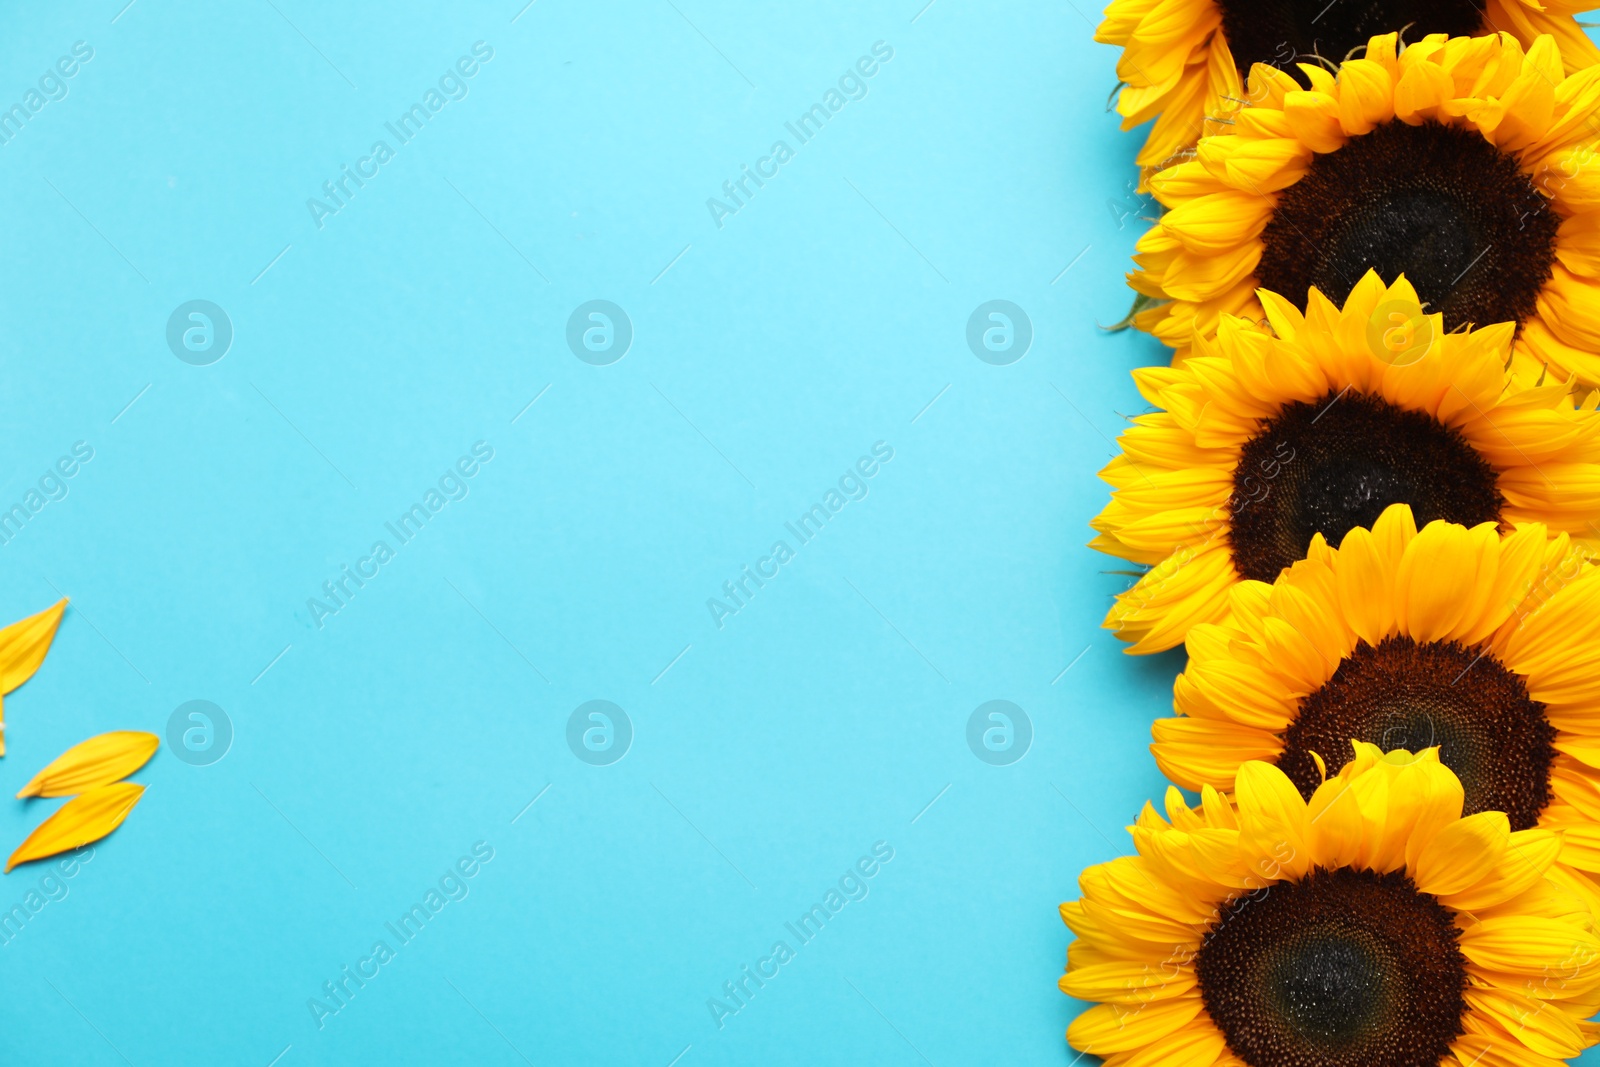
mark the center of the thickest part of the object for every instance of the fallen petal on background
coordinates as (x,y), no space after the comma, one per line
(110,757)
(81,820)
(24,643)
(22,648)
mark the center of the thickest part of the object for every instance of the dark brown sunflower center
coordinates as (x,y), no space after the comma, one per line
(1340,969)
(1402,694)
(1336,464)
(1438,204)
(1284,32)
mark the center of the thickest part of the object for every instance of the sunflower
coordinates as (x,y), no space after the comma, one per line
(1463,164)
(1183,61)
(1373,926)
(1268,438)
(1485,645)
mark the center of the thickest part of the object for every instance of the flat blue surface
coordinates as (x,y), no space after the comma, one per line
(378,745)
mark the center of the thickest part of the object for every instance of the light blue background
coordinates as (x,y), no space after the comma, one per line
(371,753)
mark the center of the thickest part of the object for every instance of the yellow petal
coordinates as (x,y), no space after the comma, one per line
(1272,820)
(1218,222)
(1196,752)
(1126,982)
(1526,945)
(1392,533)
(23,645)
(1433,573)
(1420,91)
(1366,95)
(1315,119)
(100,760)
(1334,823)
(80,821)
(1119,1028)
(1546,1030)
(1527,861)
(1365,587)
(1463,854)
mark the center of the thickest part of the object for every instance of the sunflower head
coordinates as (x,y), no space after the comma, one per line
(1268,438)
(1463,164)
(1481,645)
(1184,62)
(1370,926)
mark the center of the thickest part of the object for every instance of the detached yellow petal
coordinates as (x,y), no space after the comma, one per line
(23,645)
(98,761)
(81,820)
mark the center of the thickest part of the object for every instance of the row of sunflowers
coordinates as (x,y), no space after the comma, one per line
(1367,498)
